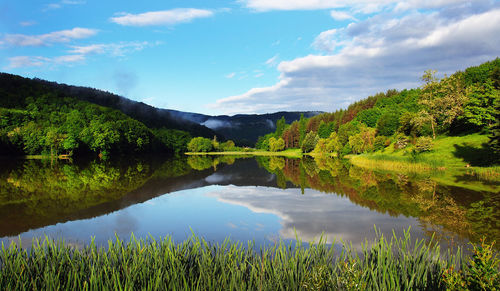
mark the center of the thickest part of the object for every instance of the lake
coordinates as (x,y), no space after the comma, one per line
(261,199)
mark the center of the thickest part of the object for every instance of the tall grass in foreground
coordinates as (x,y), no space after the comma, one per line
(394,264)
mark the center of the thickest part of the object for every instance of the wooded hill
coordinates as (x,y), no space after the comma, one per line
(463,103)
(41,117)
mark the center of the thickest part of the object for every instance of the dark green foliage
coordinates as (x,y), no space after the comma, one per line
(347,130)
(370,116)
(310,142)
(388,124)
(56,125)
(325,129)
(280,127)
(15,92)
(173,138)
(480,74)
(479,111)
(380,142)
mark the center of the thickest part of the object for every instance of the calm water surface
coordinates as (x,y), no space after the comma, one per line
(258,199)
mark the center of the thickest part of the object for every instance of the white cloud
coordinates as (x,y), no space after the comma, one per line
(113,49)
(230,75)
(79,54)
(374,55)
(362,6)
(328,40)
(53,6)
(27,23)
(333,216)
(165,17)
(39,61)
(25,61)
(48,38)
(340,15)
(272,61)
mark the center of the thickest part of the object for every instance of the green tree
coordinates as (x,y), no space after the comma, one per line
(310,142)
(388,123)
(444,99)
(280,127)
(276,145)
(227,146)
(479,110)
(369,116)
(302,128)
(200,144)
(363,141)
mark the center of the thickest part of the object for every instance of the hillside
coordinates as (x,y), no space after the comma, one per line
(406,122)
(15,89)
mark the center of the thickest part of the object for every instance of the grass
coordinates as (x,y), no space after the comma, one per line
(390,163)
(289,153)
(462,160)
(386,264)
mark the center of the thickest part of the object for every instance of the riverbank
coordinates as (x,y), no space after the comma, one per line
(290,153)
(397,263)
(469,155)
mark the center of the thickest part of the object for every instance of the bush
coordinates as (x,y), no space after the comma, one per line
(401,142)
(380,142)
(423,144)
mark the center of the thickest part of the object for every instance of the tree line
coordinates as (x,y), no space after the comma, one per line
(52,125)
(462,103)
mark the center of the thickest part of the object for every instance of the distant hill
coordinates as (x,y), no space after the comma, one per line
(244,129)
(15,89)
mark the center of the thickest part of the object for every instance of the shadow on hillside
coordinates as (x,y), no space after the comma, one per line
(479,157)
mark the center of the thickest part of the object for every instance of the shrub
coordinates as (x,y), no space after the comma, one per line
(423,144)
(401,141)
(380,142)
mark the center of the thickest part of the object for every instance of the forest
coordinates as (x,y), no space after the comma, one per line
(457,105)
(43,118)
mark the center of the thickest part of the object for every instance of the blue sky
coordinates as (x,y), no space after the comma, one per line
(245,56)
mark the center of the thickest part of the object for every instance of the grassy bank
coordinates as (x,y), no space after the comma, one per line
(458,155)
(394,264)
(290,153)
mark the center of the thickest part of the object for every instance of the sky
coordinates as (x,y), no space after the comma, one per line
(245,56)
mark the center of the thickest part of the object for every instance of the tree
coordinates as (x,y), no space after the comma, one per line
(276,144)
(302,128)
(479,110)
(200,144)
(227,146)
(280,127)
(369,116)
(444,99)
(428,95)
(215,143)
(363,141)
(310,142)
(388,123)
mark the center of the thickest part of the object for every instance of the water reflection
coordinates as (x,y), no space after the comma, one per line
(256,199)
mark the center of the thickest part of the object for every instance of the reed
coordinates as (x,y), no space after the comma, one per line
(195,264)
